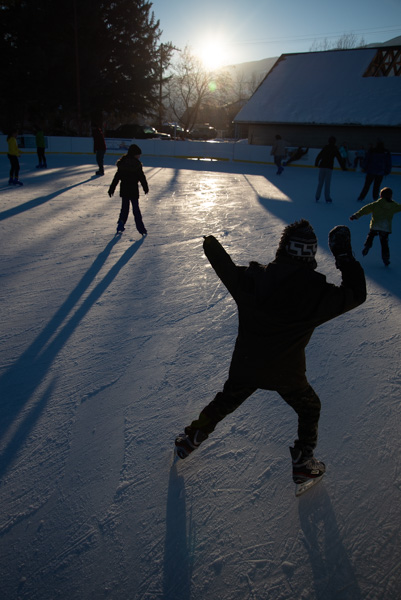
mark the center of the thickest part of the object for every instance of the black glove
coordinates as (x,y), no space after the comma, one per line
(110,193)
(340,245)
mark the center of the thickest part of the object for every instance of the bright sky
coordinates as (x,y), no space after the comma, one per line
(235,31)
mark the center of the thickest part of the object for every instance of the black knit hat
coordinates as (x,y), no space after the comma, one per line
(298,242)
(386,193)
(134,150)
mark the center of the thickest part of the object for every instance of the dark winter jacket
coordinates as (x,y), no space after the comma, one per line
(325,158)
(130,173)
(98,140)
(378,162)
(279,306)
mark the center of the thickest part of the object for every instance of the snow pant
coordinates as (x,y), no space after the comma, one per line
(369,179)
(14,162)
(305,402)
(383,236)
(277,162)
(100,159)
(324,180)
(41,156)
(125,202)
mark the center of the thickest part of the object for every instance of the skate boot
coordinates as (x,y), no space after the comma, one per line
(189,441)
(120,227)
(306,469)
(17,182)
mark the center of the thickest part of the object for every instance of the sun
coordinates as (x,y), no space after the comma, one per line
(213,54)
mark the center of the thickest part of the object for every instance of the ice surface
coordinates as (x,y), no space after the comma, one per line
(109,346)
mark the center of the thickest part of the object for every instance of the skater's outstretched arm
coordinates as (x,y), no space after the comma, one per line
(222,263)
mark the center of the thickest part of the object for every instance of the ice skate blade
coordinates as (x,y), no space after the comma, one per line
(301,488)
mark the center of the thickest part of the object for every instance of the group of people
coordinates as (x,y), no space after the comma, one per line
(279,304)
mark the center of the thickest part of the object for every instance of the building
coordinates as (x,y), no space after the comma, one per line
(354,95)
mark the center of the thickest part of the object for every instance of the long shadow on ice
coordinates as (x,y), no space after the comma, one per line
(20,383)
(35,202)
(333,573)
(177,569)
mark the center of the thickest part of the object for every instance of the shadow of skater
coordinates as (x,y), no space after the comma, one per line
(19,384)
(17,210)
(333,573)
(177,559)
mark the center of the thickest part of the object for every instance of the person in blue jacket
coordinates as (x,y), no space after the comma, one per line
(377,165)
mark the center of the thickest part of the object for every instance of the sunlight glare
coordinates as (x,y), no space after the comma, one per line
(213,54)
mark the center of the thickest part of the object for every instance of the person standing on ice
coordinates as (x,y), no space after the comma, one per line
(377,164)
(99,148)
(41,148)
(278,151)
(279,306)
(130,173)
(382,211)
(13,156)
(325,162)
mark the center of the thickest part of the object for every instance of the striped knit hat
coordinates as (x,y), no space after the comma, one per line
(298,242)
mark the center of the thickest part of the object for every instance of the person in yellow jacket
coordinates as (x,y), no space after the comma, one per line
(382,211)
(13,154)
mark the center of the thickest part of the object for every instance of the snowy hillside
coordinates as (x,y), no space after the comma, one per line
(110,346)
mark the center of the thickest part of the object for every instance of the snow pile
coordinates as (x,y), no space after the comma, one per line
(110,346)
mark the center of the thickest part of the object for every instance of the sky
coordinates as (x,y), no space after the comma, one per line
(225,32)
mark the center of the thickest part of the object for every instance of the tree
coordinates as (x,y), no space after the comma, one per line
(191,89)
(345,42)
(78,58)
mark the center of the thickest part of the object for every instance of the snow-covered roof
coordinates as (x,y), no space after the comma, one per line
(325,88)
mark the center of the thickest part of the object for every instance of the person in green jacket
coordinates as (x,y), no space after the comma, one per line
(382,211)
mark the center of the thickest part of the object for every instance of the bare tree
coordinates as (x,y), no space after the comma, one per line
(345,42)
(191,87)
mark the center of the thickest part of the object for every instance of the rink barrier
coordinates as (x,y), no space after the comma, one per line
(220,150)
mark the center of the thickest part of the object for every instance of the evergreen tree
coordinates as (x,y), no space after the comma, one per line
(77,59)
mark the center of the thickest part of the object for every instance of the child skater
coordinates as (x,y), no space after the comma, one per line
(382,211)
(13,154)
(130,173)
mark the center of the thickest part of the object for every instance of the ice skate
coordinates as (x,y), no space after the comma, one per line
(189,441)
(306,469)
(120,227)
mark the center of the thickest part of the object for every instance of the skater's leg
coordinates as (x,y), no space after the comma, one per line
(307,405)
(224,403)
(369,241)
(383,235)
(124,211)
(14,166)
(327,184)
(320,183)
(368,182)
(138,216)
(100,160)
(377,181)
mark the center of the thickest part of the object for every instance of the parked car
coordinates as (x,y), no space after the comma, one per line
(175,131)
(203,132)
(136,132)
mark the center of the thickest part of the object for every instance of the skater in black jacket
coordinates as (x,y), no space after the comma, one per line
(279,306)
(325,162)
(130,173)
